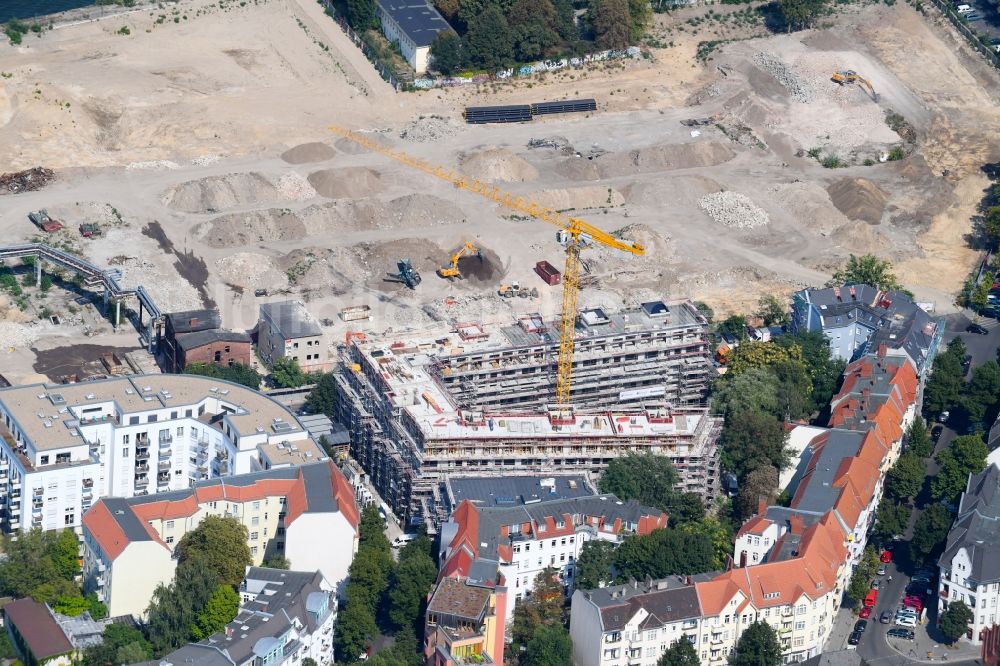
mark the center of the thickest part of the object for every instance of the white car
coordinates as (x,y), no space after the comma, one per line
(403,540)
(963,9)
(906,620)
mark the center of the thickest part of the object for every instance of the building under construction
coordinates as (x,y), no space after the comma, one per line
(475,400)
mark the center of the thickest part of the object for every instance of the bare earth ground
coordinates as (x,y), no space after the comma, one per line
(215,128)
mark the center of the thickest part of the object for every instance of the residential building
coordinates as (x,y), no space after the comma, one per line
(306,513)
(993,443)
(970,564)
(287,330)
(36,635)
(196,336)
(412,25)
(523,541)
(634,624)
(464,622)
(509,491)
(62,447)
(859,318)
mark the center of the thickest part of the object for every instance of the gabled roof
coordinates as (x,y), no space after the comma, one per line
(662,601)
(977,527)
(41,633)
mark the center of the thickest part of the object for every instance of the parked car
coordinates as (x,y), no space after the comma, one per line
(882,570)
(936,432)
(943,416)
(876,584)
(916,603)
(400,541)
(865,613)
(973,17)
(860,626)
(885,617)
(977,329)
(906,634)
(886,556)
(906,621)
(854,639)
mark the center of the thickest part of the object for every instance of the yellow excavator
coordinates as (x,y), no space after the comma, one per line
(850,76)
(451,271)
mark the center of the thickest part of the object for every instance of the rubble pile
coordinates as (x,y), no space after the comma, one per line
(429,129)
(733,210)
(800,89)
(26,181)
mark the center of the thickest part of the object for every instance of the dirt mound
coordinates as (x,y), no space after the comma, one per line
(809,203)
(346,183)
(414,210)
(858,199)
(863,238)
(651,159)
(215,193)
(258,226)
(497,164)
(670,191)
(349,147)
(483,269)
(250,270)
(306,153)
(592,196)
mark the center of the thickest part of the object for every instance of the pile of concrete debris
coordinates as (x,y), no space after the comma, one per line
(786,76)
(428,129)
(26,181)
(733,210)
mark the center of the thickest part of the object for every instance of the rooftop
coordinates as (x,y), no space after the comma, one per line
(51,416)
(292,319)
(457,597)
(41,633)
(516,490)
(417,18)
(977,527)
(197,339)
(666,600)
(189,321)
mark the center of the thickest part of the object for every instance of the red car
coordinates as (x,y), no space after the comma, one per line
(886,557)
(866,613)
(916,603)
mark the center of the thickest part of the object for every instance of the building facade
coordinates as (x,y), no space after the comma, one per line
(970,564)
(196,336)
(62,447)
(464,622)
(286,330)
(413,25)
(307,513)
(285,617)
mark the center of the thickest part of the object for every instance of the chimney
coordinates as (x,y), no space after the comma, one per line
(761,505)
(854,293)
(836,292)
(796,524)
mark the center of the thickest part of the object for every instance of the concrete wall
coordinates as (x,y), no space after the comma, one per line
(322,541)
(134,576)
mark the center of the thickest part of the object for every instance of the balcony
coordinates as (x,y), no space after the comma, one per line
(163,465)
(141,481)
(166,452)
(36,521)
(141,468)
(37,492)
(142,454)
(88,483)
(166,439)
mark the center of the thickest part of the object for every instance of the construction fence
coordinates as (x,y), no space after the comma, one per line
(948,9)
(383,70)
(527,70)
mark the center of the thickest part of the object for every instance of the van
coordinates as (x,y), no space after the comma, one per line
(403,540)
(963,9)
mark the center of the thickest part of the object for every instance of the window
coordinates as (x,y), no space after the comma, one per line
(169,539)
(254,521)
(126,439)
(799,626)
(801,609)
(68,519)
(226,349)
(170,524)
(125,452)
(180,431)
(218,357)
(281,545)
(253,536)
(256,506)
(133,420)
(43,460)
(253,550)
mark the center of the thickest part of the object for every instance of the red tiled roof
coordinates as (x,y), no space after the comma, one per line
(105,530)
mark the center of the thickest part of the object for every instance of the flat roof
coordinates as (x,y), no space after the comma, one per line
(50,415)
(292,319)
(418,19)
(517,490)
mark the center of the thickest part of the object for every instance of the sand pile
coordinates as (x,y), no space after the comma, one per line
(497,165)
(415,210)
(349,147)
(808,203)
(579,198)
(733,209)
(215,193)
(295,187)
(659,247)
(251,270)
(670,191)
(858,199)
(306,153)
(346,183)
(651,159)
(429,129)
(258,226)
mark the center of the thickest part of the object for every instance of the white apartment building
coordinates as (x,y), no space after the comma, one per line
(285,617)
(62,447)
(306,513)
(970,564)
(525,540)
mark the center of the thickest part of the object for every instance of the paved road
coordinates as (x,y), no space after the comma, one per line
(875,646)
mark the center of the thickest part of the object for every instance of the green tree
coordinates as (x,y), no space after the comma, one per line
(355,629)
(756,354)
(220,610)
(929,532)
(680,653)
(65,551)
(918,439)
(543,607)
(965,455)
(649,479)
(220,545)
(641,14)
(612,23)
(566,24)
(411,580)
(277,562)
(734,326)
(750,440)
(825,371)
(758,646)
(954,622)
(71,606)
(322,399)
(489,43)
(115,638)
(991,227)
(719,534)
(772,311)
(861,579)
(593,567)
(29,568)
(981,394)
(685,508)
(905,478)
(550,645)
(7,650)
(173,609)
(446,53)
(947,380)
(665,553)
(867,269)
(96,607)
(890,519)
(761,483)
(755,390)
(236,373)
(448,9)
(361,14)
(286,373)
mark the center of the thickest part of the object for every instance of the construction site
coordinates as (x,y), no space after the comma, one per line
(483,401)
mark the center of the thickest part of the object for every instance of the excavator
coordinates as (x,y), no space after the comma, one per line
(850,76)
(407,274)
(451,271)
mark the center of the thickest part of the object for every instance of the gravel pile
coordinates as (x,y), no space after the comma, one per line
(250,269)
(17,335)
(295,187)
(733,210)
(426,130)
(799,88)
(153,164)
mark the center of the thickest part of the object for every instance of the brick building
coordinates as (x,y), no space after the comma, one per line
(196,336)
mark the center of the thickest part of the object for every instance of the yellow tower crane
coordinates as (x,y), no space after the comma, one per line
(574,235)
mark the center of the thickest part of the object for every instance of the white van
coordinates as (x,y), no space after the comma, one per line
(403,540)
(963,9)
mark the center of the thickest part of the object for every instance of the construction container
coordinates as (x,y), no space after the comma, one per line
(548,273)
(563,106)
(356,313)
(514,113)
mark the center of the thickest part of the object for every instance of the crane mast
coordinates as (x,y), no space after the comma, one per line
(574,235)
